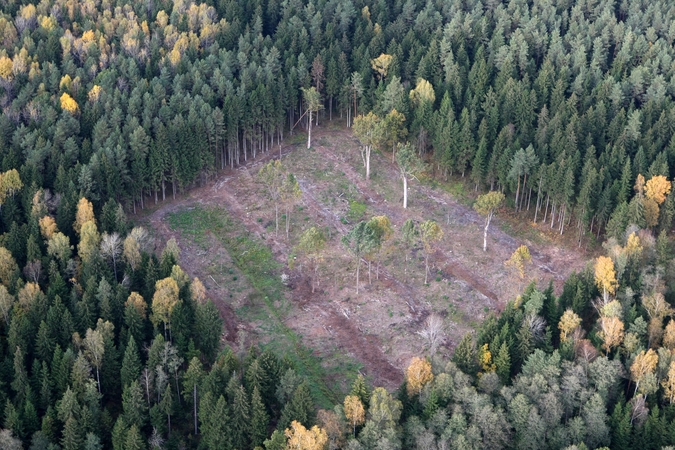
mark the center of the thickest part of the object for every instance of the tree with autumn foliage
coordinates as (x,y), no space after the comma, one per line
(519,259)
(568,323)
(300,438)
(354,411)
(605,277)
(417,375)
(164,301)
(643,367)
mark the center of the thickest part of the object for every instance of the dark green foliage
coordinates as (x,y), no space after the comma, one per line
(300,408)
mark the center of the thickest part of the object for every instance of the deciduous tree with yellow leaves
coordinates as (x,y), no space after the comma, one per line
(568,323)
(417,375)
(354,411)
(605,277)
(300,438)
(611,332)
(163,302)
(643,365)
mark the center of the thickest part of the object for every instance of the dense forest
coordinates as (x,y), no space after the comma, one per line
(564,106)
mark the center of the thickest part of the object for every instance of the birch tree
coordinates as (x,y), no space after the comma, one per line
(312,104)
(409,165)
(486,205)
(365,129)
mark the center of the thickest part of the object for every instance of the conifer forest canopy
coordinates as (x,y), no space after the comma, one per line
(108,107)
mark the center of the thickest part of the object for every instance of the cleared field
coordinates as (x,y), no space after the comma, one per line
(226,231)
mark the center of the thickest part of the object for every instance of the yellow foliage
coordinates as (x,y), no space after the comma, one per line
(6,66)
(568,323)
(300,438)
(381,64)
(643,364)
(657,188)
(485,359)
(65,83)
(94,93)
(48,23)
(47,227)
(28,11)
(88,36)
(164,300)
(85,213)
(354,411)
(518,260)
(612,309)
(89,240)
(28,294)
(669,384)
(69,104)
(633,248)
(669,336)
(136,300)
(423,92)
(605,276)
(417,375)
(10,183)
(197,291)
(38,206)
(611,332)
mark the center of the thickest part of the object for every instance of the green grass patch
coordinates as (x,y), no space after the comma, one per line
(356,210)
(257,263)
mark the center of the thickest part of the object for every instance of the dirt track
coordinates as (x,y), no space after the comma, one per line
(333,317)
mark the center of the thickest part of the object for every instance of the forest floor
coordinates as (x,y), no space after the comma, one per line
(335,331)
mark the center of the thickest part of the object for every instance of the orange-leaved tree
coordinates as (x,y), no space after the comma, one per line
(417,375)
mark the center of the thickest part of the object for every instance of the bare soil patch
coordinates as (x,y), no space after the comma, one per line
(378,328)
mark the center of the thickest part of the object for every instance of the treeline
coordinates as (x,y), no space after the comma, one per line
(559,104)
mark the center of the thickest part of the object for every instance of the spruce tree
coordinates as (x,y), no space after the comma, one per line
(131,364)
(299,408)
(240,418)
(259,419)
(72,439)
(360,390)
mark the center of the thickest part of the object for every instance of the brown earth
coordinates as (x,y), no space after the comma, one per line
(378,328)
